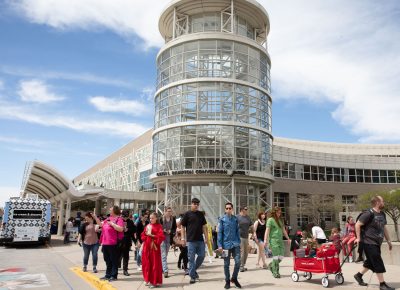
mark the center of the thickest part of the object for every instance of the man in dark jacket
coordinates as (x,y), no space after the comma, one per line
(168,223)
(129,230)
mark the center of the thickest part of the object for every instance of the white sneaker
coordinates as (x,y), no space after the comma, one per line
(139,268)
(350,259)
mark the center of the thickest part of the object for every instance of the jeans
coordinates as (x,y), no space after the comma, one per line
(235,252)
(139,256)
(244,251)
(86,252)
(111,256)
(164,254)
(197,247)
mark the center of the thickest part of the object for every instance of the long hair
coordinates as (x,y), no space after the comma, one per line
(274,215)
(155,214)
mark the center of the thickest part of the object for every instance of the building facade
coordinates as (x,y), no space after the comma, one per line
(212,128)
(212,136)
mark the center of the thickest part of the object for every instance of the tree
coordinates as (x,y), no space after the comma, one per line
(392,205)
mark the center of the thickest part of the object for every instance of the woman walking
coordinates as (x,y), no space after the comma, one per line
(260,227)
(152,237)
(88,239)
(274,239)
(348,238)
(183,255)
(113,225)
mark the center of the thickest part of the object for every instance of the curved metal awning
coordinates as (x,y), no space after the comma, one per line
(47,182)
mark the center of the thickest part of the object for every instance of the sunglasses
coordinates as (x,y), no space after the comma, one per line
(228,208)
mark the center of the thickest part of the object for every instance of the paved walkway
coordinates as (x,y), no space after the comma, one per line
(212,274)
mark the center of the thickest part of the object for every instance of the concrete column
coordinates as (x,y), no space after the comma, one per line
(61,220)
(117,201)
(97,206)
(68,209)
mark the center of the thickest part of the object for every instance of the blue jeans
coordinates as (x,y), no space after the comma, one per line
(139,256)
(86,252)
(194,248)
(235,252)
(164,254)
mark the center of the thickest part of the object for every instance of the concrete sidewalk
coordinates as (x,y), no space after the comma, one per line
(212,274)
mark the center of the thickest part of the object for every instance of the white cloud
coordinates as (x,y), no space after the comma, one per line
(341,52)
(23,141)
(57,119)
(36,91)
(125,17)
(130,107)
(84,77)
(6,192)
(1,85)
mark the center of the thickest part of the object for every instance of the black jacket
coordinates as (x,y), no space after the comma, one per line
(173,228)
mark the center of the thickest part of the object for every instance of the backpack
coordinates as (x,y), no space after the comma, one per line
(370,219)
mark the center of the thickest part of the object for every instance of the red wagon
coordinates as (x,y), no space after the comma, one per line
(325,262)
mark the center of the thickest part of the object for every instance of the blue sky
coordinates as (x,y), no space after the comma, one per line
(77,76)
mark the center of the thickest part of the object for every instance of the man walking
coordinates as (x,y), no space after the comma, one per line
(168,223)
(193,228)
(229,242)
(245,224)
(375,229)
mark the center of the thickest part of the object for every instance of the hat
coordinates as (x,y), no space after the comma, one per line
(135,215)
(125,213)
(195,200)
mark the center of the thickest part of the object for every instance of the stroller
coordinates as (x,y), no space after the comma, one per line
(326,262)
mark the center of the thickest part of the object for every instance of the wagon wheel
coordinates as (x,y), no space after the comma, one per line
(339,278)
(295,277)
(308,275)
(325,282)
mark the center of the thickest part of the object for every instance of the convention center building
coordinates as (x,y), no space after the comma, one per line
(212,135)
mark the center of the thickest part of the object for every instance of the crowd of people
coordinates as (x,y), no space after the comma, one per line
(152,237)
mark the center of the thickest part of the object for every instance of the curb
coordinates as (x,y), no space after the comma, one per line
(93,280)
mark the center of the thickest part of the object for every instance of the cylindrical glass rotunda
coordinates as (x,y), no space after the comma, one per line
(212,128)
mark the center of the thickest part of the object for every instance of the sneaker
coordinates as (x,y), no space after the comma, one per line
(147,284)
(242,269)
(165,274)
(126,273)
(350,259)
(84,269)
(104,278)
(112,279)
(385,287)
(197,276)
(95,270)
(192,281)
(139,268)
(236,282)
(186,272)
(227,285)
(360,280)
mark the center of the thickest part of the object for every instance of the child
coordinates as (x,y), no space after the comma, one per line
(335,239)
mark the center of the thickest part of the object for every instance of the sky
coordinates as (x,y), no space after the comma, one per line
(77,77)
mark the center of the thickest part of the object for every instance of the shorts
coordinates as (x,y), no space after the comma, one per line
(374,260)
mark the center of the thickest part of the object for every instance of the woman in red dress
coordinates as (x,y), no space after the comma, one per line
(152,237)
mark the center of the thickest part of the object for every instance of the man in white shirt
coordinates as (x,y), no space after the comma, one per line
(317,233)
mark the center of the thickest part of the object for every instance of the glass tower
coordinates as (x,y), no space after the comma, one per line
(212,129)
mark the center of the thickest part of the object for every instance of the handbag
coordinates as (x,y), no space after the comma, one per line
(177,241)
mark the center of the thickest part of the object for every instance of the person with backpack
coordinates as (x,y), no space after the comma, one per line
(374,224)
(88,239)
(229,243)
(111,234)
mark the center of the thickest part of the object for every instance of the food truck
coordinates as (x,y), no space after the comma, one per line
(26,220)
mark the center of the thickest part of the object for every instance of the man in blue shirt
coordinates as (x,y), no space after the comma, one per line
(229,242)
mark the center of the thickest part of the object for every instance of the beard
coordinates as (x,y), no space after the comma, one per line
(381,206)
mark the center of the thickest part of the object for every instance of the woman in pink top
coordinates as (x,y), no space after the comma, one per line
(111,228)
(349,238)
